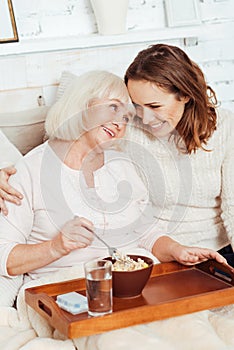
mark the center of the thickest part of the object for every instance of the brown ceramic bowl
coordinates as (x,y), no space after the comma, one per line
(127,284)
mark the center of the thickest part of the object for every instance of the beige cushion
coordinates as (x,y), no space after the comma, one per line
(25,129)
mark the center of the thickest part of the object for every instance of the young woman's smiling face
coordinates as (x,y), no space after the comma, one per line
(105,122)
(157,108)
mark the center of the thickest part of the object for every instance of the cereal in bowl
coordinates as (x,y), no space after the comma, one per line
(128,264)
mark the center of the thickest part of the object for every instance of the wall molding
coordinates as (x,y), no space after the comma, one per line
(96,40)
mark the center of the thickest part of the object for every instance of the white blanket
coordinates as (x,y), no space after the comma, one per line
(24,329)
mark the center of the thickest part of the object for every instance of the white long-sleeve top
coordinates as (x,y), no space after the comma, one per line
(53,193)
(9,154)
(193,194)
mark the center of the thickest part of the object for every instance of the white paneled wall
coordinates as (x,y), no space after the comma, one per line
(24,76)
(44,18)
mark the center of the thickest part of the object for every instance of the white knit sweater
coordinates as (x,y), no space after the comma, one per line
(193,194)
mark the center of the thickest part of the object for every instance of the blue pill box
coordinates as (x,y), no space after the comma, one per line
(72,302)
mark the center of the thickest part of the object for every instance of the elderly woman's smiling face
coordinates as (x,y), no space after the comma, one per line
(157,108)
(105,121)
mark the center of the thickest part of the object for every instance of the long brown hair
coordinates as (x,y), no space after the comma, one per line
(170,68)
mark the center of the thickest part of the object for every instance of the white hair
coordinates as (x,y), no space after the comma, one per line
(64,119)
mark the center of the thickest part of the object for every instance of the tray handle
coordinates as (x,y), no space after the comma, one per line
(46,306)
(42,305)
(222,271)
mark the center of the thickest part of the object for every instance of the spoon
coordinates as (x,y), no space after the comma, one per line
(114,253)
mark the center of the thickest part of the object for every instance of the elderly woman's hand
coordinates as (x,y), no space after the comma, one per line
(75,234)
(7,192)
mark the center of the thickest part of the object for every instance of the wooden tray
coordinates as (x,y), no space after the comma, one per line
(172,290)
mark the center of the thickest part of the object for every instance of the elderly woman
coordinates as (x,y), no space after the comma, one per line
(77,182)
(71,175)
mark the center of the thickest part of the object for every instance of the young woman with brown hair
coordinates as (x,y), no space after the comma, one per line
(191,141)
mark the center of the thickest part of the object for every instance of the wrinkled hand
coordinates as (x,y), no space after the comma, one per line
(194,255)
(75,234)
(7,192)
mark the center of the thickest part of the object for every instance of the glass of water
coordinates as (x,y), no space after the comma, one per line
(98,275)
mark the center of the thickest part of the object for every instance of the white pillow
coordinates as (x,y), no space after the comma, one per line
(25,129)
(66,79)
